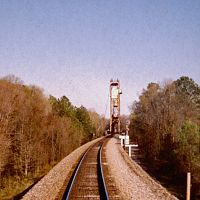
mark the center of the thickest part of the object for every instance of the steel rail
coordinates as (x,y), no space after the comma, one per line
(72,180)
(101,176)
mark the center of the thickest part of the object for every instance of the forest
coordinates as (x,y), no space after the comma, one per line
(165,122)
(36,132)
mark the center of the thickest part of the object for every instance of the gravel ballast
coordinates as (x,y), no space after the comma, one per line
(51,186)
(132,181)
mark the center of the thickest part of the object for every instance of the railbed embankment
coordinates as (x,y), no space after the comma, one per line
(51,186)
(132,181)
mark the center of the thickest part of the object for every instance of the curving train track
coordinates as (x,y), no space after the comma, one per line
(90,179)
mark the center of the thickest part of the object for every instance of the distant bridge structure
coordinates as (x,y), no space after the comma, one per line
(115,93)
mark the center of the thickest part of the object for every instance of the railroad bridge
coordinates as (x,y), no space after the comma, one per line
(100,169)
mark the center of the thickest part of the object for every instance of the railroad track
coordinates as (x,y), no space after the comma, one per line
(88,180)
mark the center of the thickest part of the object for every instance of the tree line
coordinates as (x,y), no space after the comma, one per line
(165,121)
(36,132)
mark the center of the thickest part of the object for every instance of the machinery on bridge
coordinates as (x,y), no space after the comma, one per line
(115,93)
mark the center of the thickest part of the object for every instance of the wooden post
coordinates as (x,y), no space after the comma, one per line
(129,151)
(188,186)
(122,143)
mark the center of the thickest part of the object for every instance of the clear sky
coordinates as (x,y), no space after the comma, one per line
(74,47)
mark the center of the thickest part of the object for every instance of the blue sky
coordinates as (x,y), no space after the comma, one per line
(74,47)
